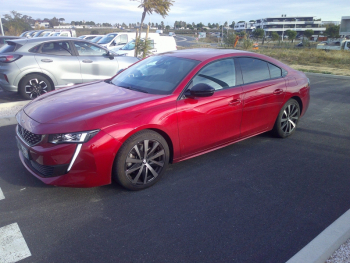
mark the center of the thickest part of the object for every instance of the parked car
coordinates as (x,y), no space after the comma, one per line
(3,39)
(28,33)
(38,65)
(172,34)
(89,37)
(163,109)
(117,40)
(96,39)
(159,44)
(41,33)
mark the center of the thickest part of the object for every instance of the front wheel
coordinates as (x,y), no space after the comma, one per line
(34,85)
(141,161)
(287,119)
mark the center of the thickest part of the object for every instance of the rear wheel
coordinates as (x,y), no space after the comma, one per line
(141,161)
(34,85)
(287,119)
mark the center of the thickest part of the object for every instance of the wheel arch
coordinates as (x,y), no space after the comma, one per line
(298,99)
(168,140)
(38,73)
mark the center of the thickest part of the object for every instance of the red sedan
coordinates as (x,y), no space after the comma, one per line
(164,109)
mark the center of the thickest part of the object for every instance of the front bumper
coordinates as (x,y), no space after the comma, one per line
(91,167)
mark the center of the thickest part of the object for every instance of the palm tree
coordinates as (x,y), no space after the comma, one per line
(160,7)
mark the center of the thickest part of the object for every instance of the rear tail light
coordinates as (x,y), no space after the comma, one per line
(9,58)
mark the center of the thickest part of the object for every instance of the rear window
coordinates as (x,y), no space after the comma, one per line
(253,70)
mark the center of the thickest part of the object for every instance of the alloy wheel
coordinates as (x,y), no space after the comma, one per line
(289,118)
(35,87)
(144,162)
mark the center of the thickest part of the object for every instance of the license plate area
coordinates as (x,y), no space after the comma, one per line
(23,149)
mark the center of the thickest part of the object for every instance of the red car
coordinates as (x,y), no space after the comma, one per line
(164,109)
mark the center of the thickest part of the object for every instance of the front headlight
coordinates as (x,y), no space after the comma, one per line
(73,137)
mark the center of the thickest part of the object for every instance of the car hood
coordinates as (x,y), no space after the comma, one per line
(84,102)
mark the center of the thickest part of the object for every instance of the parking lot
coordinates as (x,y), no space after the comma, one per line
(259,200)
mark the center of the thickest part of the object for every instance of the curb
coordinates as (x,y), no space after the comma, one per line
(326,243)
(8,111)
(327,75)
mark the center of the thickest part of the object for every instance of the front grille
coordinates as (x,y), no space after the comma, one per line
(29,137)
(44,170)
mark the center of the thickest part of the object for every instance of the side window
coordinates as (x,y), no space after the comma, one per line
(88,49)
(117,40)
(64,35)
(219,74)
(253,70)
(275,72)
(2,41)
(348,44)
(60,48)
(151,43)
(123,39)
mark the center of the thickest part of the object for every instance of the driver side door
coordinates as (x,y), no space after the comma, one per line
(94,62)
(207,122)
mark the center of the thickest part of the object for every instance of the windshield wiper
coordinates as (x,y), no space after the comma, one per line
(131,88)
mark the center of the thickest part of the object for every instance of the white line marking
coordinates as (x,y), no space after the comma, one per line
(13,247)
(1,195)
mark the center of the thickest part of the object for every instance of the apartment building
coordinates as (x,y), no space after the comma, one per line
(244,26)
(284,23)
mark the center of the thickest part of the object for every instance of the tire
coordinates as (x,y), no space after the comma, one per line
(135,172)
(287,120)
(34,85)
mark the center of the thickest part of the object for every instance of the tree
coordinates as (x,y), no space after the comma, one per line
(291,34)
(229,39)
(332,31)
(61,20)
(160,7)
(53,22)
(259,33)
(232,24)
(275,36)
(308,33)
(15,24)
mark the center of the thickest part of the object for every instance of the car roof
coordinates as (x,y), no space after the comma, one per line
(44,39)
(10,37)
(203,54)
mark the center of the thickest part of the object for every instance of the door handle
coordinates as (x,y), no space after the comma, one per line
(234,102)
(87,61)
(278,91)
(46,60)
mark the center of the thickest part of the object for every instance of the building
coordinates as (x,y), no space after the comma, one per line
(284,23)
(244,26)
(345,26)
(337,23)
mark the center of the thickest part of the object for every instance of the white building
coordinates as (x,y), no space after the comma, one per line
(344,29)
(284,23)
(246,26)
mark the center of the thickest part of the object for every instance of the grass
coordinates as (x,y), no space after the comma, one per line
(312,60)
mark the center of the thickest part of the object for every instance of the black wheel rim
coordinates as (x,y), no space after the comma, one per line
(35,87)
(145,162)
(289,118)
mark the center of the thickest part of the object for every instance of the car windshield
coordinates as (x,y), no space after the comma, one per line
(156,74)
(56,34)
(129,46)
(106,39)
(95,39)
(81,37)
(46,34)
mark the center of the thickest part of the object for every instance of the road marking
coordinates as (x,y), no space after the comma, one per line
(13,247)
(183,39)
(1,195)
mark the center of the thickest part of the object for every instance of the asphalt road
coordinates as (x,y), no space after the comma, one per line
(259,200)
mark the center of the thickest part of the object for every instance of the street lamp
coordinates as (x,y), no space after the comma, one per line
(283,30)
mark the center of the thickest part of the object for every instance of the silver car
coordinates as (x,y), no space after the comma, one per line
(38,65)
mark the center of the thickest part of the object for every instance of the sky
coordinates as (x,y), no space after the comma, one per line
(218,11)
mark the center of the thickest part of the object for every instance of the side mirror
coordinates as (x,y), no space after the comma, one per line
(109,55)
(113,43)
(200,90)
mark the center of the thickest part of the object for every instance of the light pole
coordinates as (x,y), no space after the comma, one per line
(283,30)
(2,30)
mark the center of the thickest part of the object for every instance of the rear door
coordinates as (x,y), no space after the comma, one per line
(264,90)
(94,63)
(57,58)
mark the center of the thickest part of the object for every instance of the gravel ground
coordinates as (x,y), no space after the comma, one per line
(342,254)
